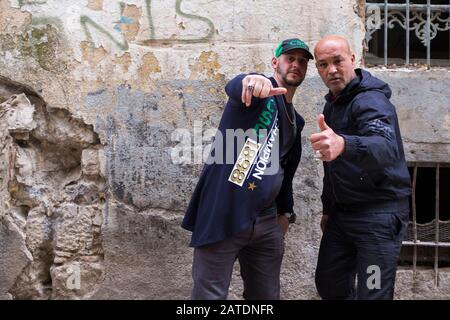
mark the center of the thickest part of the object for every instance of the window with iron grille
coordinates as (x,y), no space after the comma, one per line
(428,235)
(408,32)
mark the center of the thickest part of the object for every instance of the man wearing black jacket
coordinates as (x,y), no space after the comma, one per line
(366,182)
(241,209)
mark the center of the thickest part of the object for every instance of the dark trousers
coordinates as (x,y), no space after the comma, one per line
(366,245)
(259,250)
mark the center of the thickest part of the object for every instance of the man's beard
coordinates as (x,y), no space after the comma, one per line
(290,83)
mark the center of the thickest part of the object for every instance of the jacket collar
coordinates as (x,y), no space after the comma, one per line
(348,91)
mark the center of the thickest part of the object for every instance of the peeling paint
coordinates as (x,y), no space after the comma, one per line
(92,55)
(124,61)
(260,67)
(13,20)
(130,28)
(96,5)
(149,65)
(207,65)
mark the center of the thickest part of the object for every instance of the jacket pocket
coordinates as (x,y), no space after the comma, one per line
(399,226)
(350,182)
(367,181)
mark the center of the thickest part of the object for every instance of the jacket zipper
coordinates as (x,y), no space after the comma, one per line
(329,164)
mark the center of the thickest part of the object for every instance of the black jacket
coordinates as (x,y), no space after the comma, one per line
(219,208)
(372,169)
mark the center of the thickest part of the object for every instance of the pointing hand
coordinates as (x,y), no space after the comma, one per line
(258,86)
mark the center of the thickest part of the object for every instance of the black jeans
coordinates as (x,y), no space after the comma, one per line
(259,250)
(366,245)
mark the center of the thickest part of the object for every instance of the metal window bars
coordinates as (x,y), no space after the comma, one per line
(435,233)
(425,28)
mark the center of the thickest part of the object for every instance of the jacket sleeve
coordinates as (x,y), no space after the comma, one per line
(233,89)
(285,199)
(375,144)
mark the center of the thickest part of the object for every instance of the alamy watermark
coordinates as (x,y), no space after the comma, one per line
(373,18)
(73,282)
(210,146)
(374,280)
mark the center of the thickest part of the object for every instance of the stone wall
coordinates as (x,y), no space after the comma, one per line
(92,92)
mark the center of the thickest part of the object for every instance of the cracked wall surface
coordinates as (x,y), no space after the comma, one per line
(92,92)
(53,193)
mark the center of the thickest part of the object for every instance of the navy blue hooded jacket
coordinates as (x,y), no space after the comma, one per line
(220,208)
(372,169)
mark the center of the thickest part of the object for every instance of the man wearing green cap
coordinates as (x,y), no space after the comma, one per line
(241,209)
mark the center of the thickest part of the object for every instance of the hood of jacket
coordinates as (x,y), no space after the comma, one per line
(364,81)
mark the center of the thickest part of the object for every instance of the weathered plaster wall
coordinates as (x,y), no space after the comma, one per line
(423,106)
(136,71)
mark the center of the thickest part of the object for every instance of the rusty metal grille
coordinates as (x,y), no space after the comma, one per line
(426,232)
(429,240)
(423,22)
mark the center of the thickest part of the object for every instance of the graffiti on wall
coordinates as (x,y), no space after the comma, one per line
(93,29)
(87,22)
(24,2)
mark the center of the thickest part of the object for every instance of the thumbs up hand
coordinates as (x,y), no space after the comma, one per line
(322,124)
(326,143)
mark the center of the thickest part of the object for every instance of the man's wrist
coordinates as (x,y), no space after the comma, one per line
(351,146)
(291,216)
(342,145)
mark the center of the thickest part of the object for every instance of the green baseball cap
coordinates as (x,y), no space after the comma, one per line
(292,44)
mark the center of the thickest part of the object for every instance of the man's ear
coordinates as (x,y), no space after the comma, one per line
(353,59)
(274,63)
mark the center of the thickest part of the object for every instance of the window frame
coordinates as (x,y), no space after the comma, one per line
(415,242)
(374,21)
